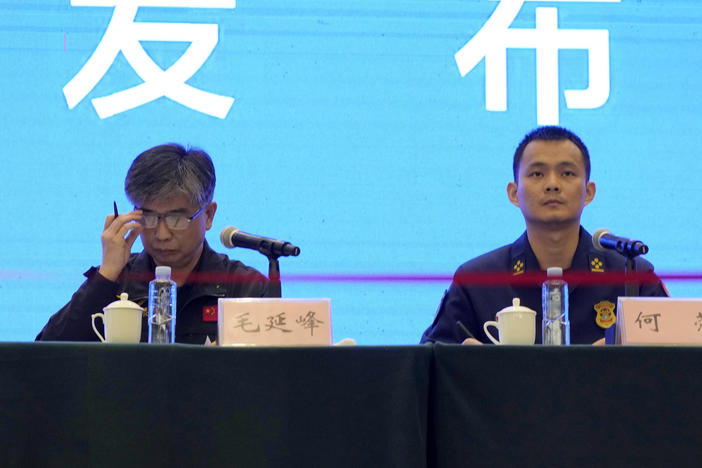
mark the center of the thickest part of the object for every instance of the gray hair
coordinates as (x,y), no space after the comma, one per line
(165,171)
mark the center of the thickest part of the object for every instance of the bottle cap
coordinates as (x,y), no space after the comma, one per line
(554,272)
(163,272)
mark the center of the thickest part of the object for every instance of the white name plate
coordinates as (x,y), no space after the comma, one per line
(274,322)
(659,321)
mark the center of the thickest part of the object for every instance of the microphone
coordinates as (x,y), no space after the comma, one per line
(232,237)
(603,239)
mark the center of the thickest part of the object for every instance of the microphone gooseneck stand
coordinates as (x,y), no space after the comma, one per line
(631,287)
(630,249)
(273,253)
(274,288)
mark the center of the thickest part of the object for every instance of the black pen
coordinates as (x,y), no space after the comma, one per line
(116,212)
(465,330)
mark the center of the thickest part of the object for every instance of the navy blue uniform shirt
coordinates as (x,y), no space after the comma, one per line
(474,305)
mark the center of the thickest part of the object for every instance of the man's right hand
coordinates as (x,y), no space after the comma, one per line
(472,341)
(117,238)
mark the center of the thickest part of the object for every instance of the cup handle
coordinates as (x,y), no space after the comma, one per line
(485,329)
(94,316)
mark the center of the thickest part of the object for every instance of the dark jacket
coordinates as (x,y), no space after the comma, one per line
(473,305)
(195,318)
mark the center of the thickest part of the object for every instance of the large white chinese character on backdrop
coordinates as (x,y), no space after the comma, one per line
(124,34)
(496,36)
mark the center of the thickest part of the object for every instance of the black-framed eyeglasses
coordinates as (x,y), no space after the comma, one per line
(175,222)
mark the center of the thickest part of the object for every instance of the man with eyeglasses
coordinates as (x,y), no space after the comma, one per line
(171,189)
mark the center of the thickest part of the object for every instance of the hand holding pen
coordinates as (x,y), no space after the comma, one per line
(118,236)
(470,338)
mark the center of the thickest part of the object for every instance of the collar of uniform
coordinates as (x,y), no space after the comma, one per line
(208,263)
(586,257)
(585,254)
(522,258)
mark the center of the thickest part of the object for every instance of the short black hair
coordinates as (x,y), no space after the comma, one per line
(551,133)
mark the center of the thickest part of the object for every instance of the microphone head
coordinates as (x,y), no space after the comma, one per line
(596,238)
(226,236)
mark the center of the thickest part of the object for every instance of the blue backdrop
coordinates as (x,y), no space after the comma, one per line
(352,134)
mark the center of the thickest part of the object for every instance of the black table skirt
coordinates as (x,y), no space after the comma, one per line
(90,404)
(578,406)
(75,404)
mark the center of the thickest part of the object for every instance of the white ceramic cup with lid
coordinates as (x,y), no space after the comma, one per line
(122,320)
(516,325)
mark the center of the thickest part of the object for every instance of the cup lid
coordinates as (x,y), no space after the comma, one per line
(517,307)
(123,303)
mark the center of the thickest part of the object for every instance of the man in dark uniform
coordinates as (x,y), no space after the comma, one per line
(171,189)
(551,187)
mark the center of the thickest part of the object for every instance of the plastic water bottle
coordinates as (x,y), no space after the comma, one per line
(162,307)
(554,302)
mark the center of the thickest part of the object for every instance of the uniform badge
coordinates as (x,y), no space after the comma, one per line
(209,313)
(518,267)
(596,264)
(605,314)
